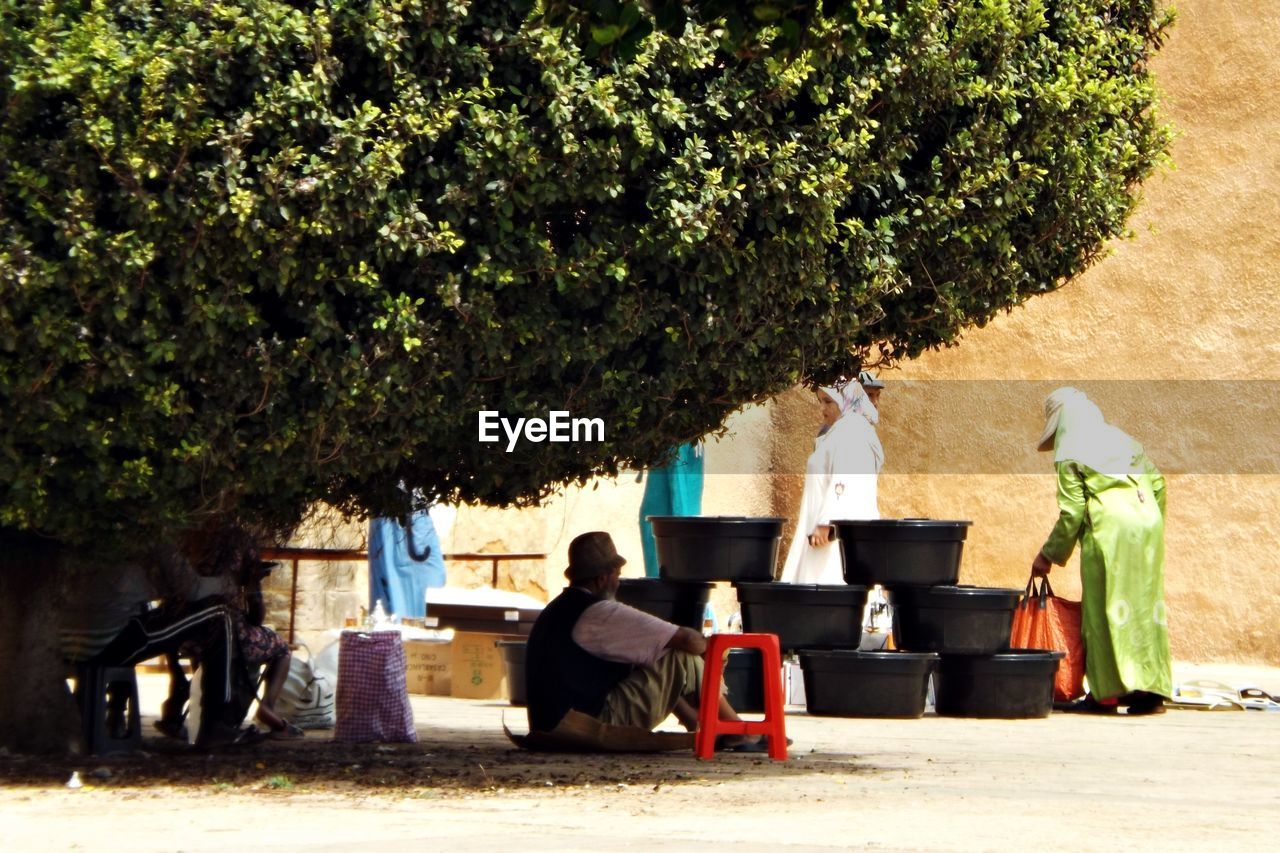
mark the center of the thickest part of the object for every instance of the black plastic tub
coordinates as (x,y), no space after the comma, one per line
(866,684)
(1013,684)
(953,620)
(678,602)
(804,615)
(513,665)
(744,678)
(716,548)
(897,552)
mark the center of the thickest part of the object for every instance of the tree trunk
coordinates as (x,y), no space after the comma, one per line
(37,711)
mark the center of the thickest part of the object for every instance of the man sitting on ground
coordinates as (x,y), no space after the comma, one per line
(592,654)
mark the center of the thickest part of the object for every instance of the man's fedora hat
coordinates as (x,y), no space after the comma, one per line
(591,555)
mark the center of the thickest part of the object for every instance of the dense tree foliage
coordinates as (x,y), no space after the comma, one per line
(616,29)
(255,254)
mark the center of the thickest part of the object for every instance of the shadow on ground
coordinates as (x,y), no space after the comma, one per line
(448,761)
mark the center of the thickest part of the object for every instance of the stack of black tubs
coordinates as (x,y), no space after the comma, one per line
(977,675)
(810,619)
(840,680)
(806,618)
(822,623)
(693,553)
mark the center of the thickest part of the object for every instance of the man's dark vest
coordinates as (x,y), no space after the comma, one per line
(559,673)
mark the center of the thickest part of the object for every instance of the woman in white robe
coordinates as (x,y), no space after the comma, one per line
(839,483)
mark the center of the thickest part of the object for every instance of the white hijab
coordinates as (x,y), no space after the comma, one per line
(856,426)
(851,396)
(1076,431)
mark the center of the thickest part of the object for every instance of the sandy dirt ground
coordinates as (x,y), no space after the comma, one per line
(1186,780)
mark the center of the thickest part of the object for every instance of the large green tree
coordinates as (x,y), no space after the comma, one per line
(258,254)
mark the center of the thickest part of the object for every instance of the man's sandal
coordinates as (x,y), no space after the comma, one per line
(760,744)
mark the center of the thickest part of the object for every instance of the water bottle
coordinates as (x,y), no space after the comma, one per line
(378,618)
(709,625)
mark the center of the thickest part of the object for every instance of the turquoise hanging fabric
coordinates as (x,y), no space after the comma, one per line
(673,489)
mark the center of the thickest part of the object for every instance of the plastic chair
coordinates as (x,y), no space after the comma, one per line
(774,723)
(92,686)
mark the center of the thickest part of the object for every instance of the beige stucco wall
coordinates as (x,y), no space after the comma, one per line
(1191,297)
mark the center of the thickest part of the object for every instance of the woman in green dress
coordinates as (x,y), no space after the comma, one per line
(1111,500)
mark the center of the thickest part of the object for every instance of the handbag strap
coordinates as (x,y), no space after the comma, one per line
(1039,592)
(1046,593)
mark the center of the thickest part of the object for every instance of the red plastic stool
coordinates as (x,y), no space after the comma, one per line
(774,723)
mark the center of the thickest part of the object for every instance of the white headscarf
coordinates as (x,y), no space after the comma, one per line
(1076,431)
(852,397)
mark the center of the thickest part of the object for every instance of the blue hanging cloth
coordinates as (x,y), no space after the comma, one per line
(673,489)
(403,562)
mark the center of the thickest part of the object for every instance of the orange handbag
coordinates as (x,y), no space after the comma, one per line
(1042,620)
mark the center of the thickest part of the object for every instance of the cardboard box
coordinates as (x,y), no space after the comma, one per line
(478,671)
(428,666)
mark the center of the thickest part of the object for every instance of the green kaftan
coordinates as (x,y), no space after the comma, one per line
(1119,522)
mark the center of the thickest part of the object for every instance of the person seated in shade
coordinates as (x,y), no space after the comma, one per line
(108,620)
(228,570)
(590,653)
(259,645)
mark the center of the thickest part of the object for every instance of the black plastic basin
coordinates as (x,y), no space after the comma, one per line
(513,665)
(1014,684)
(960,620)
(804,615)
(716,548)
(744,678)
(896,552)
(678,602)
(866,684)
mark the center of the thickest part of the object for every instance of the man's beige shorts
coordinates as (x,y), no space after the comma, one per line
(645,697)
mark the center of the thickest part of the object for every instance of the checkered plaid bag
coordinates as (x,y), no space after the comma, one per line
(373,699)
